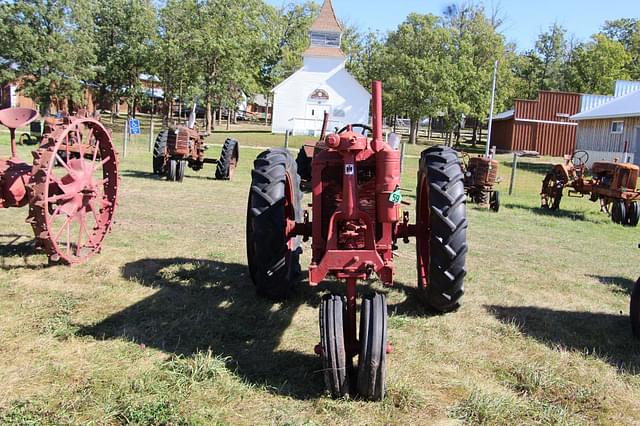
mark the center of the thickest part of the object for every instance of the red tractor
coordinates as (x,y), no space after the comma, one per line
(356,225)
(182,146)
(71,188)
(480,179)
(613,184)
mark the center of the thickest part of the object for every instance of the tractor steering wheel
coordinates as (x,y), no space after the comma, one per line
(365,128)
(580,158)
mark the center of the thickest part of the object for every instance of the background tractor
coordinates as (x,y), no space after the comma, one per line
(480,179)
(181,146)
(356,225)
(613,184)
(71,188)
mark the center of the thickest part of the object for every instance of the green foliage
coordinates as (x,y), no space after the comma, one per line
(125,34)
(48,44)
(595,66)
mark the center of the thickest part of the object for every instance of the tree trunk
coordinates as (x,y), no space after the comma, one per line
(228,119)
(235,117)
(474,140)
(413,131)
(430,128)
(266,112)
(208,117)
(395,123)
(480,137)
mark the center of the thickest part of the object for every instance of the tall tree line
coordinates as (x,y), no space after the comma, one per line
(217,51)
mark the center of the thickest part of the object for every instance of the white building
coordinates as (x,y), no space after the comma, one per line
(611,130)
(322,84)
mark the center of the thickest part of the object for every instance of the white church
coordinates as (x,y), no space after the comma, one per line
(322,84)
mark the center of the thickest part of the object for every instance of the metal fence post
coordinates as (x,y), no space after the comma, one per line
(514,166)
(286,139)
(151,135)
(125,140)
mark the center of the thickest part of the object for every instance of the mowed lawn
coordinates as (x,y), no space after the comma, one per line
(163,327)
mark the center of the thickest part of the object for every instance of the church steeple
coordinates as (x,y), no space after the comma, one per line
(325,34)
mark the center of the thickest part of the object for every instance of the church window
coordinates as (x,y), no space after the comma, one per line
(325,39)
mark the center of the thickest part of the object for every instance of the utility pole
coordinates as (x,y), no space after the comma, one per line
(493,97)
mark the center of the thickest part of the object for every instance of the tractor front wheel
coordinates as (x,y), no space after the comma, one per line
(634,310)
(228,160)
(275,203)
(633,214)
(618,212)
(494,202)
(440,208)
(180,169)
(172,170)
(334,354)
(373,347)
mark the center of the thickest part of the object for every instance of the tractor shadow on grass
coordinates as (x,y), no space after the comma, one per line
(553,213)
(618,284)
(16,245)
(139,174)
(202,304)
(604,336)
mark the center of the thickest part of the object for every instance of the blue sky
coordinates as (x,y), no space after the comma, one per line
(524,19)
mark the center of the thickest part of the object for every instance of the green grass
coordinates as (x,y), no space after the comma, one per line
(163,327)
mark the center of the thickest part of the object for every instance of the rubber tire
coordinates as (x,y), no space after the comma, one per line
(159,165)
(225,162)
(273,267)
(373,347)
(482,198)
(633,215)
(494,202)
(618,212)
(180,170)
(334,355)
(304,165)
(172,170)
(634,310)
(448,221)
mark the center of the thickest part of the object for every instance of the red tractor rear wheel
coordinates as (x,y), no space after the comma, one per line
(73,190)
(551,193)
(275,203)
(228,160)
(634,310)
(442,248)
(159,153)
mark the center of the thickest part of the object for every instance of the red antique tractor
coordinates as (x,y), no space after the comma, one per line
(71,188)
(480,179)
(613,184)
(356,225)
(182,146)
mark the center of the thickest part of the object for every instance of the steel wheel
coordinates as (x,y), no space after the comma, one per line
(72,205)
(551,192)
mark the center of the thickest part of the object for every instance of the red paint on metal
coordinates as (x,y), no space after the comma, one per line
(536,126)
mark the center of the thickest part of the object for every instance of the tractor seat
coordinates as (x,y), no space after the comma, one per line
(17,117)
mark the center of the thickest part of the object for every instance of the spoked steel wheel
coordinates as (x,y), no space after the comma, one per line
(73,190)
(551,192)
(373,347)
(335,365)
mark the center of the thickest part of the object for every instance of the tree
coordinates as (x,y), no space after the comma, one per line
(627,32)
(420,74)
(595,66)
(551,48)
(125,34)
(175,54)
(48,45)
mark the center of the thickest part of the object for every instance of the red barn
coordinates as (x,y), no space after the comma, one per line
(543,125)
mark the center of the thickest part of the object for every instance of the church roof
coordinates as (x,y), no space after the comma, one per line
(327,20)
(330,52)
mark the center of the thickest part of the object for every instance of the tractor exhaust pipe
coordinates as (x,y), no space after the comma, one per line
(376,94)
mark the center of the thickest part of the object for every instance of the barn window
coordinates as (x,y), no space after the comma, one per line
(617,127)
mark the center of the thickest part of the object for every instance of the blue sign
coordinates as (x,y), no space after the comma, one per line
(134,126)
